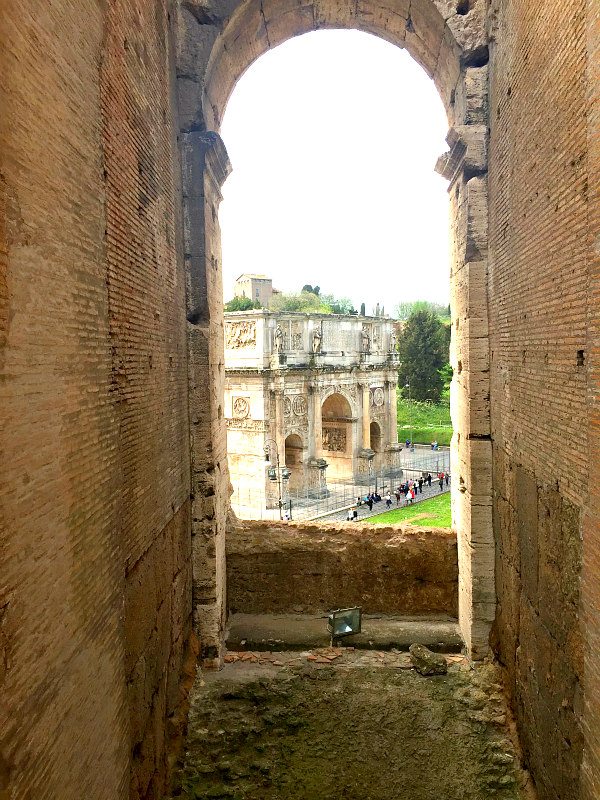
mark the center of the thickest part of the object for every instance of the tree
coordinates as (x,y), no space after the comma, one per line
(404,310)
(338,305)
(423,353)
(241,304)
(308,302)
(311,302)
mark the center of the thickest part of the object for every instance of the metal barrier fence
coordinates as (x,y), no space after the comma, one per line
(298,504)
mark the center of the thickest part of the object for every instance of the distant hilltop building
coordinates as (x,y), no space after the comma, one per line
(254,287)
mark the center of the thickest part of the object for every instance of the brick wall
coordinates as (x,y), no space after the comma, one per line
(591,530)
(279,568)
(146,299)
(95,593)
(538,284)
(63,717)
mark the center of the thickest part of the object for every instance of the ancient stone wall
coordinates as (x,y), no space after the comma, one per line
(591,528)
(95,595)
(146,299)
(538,283)
(62,674)
(283,567)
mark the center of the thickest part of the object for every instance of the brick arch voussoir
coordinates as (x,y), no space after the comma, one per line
(441,40)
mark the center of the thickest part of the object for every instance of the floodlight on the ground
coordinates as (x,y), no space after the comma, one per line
(344,622)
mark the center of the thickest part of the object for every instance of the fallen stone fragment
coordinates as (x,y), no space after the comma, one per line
(426,662)
(249,657)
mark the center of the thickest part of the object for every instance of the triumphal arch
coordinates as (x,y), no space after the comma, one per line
(310,392)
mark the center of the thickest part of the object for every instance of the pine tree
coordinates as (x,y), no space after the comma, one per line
(423,352)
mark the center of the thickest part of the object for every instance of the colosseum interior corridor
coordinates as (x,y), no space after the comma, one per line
(122,569)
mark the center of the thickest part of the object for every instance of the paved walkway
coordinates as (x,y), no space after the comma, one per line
(381,508)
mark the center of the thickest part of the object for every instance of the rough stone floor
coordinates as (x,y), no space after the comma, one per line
(342,723)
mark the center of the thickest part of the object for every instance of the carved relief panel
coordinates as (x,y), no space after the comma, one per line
(240,335)
(334,440)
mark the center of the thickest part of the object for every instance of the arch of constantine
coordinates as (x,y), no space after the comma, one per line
(113,438)
(315,393)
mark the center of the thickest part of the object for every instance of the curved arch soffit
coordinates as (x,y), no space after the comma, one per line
(432,31)
(331,391)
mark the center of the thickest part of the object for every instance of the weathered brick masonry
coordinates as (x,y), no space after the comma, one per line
(538,316)
(146,302)
(95,582)
(279,568)
(591,527)
(63,717)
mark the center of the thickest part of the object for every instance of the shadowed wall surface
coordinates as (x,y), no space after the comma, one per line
(277,568)
(95,586)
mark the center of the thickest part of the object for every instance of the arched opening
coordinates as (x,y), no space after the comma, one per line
(294,460)
(451,46)
(375,437)
(337,437)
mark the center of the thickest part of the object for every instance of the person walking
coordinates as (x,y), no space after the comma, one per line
(421,485)
(397,493)
(441,481)
(370,503)
(429,479)
(388,500)
(447,479)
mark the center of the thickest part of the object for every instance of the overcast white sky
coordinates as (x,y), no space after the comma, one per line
(333,137)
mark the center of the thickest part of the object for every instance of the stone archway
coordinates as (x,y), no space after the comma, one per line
(375,437)
(375,443)
(337,439)
(294,460)
(448,39)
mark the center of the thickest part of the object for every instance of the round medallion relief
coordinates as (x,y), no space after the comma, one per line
(241,407)
(378,396)
(299,405)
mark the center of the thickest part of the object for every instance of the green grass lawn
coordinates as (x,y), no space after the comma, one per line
(434,512)
(427,421)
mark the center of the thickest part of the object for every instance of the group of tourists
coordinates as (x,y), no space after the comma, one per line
(409,490)
(369,500)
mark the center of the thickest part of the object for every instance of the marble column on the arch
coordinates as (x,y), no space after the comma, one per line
(392,409)
(315,425)
(365,416)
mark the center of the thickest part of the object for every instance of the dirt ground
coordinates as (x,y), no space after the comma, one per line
(360,725)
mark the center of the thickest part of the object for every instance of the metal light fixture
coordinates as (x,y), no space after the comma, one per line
(344,622)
